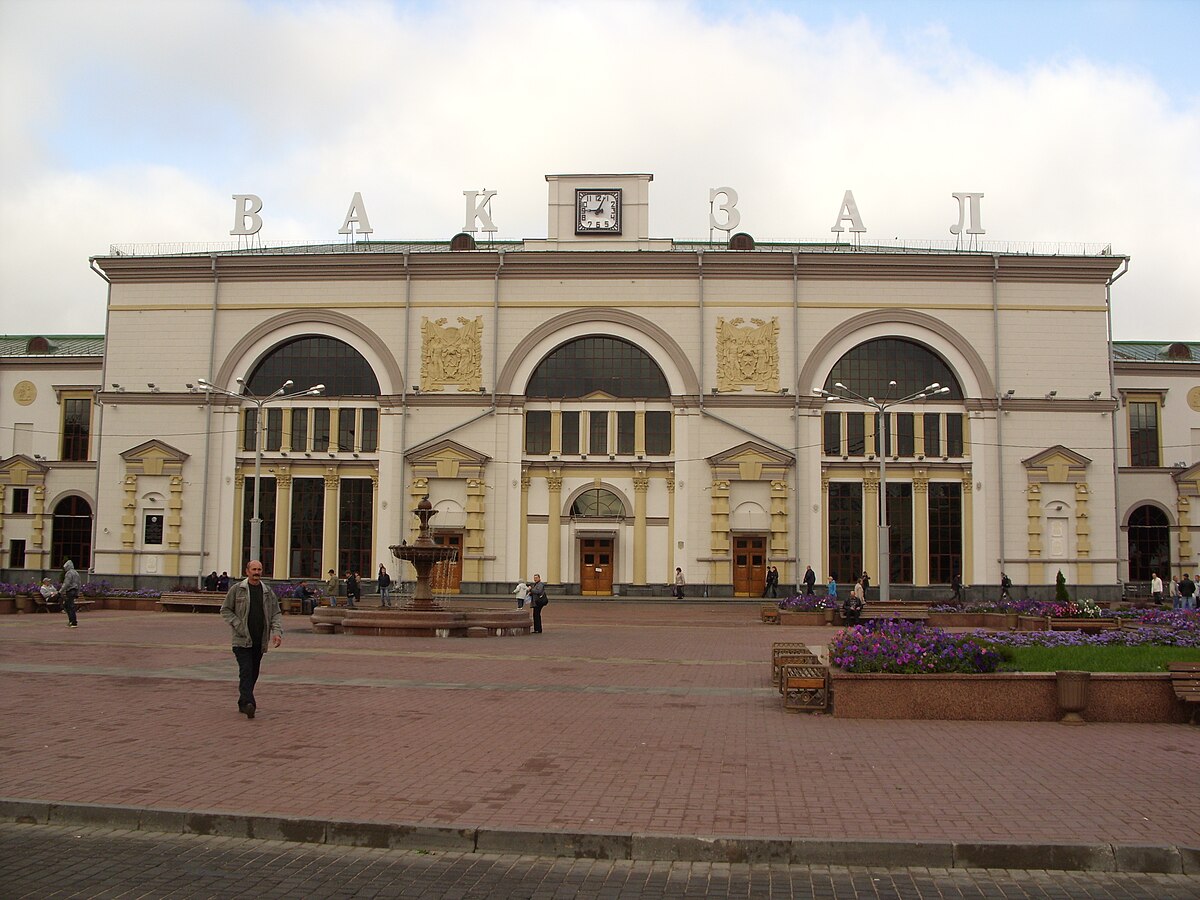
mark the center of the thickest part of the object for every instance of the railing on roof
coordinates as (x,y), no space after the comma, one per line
(288,248)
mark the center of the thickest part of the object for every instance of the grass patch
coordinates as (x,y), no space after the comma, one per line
(1145,658)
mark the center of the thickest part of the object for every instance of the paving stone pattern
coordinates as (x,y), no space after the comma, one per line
(620,718)
(38,861)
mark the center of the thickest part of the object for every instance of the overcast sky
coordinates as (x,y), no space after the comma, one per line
(135,122)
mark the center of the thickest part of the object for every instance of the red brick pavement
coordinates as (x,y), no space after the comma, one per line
(620,718)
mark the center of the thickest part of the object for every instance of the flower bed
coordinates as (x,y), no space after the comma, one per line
(802,603)
(910,648)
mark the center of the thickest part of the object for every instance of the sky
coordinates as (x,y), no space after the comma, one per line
(135,122)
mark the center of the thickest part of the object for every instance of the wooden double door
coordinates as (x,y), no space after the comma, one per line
(749,564)
(595,566)
(446,575)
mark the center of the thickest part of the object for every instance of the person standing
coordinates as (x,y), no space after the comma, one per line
(956,587)
(69,590)
(1187,592)
(679,583)
(852,610)
(384,580)
(1173,592)
(537,594)
(1155,587)
(252,611)
(352,589)
(331,587)
(831,589)
(866,585)
(810,581)
(1005,587)
(522,592)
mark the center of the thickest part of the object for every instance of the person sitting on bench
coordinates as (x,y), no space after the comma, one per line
(853,607)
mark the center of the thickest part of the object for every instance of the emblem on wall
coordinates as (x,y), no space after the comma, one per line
(748,355)
(451,356)
(24,392)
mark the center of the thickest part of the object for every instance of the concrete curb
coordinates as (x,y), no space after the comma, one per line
(1086,857)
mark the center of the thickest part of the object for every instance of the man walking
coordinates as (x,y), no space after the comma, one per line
(1187,592)
(810,581)
(537,595)
(252,611)
(69,590)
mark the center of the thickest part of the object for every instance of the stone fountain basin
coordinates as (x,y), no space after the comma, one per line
(423,622)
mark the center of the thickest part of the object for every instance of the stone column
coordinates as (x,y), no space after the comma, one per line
(329,540)
(1183,510)
(823,557)
(641,484)
(283,523)
(553,537)
(670,560)
(38,535)
(870,522)
(1083,535)
(920,527)
(722,573)
(174,524)
(968,537)
(473,541)
(1034,513)
(523,526)
(239,512)
(128,524)
(779,524)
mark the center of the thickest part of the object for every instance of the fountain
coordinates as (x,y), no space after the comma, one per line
(422,616)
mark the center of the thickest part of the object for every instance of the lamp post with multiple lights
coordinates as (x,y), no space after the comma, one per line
(881,407)
(281,393)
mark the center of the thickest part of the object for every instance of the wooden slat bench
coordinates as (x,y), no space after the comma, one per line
(1059,623)
(786,648)
(1185,679)
(805,686)
(913,612)
(41,604)
(770,614)
(182,601)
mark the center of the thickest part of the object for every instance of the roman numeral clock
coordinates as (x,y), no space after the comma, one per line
(597,211)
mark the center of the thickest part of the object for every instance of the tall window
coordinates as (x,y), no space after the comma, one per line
(76,428)
(314,359)
(845,529)
(1143,433)
(72,536)
(250,428)
(900,522)
(300,429)
(945,531)
(537,432)
(354,536)
(933,434)
(856,433)
(16,554)
(598,432)
(320,430)
(274,440)
(579,367)
(626,425)
(833,434)
(308,527)
(1149,544)
(266,511)
(570,432)
(20,500)
(954,435)
(905,438)
(658,432)
(869,368)
(346,426)
(370,430)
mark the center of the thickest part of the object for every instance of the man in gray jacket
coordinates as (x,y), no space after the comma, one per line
(252,611)
(69,590)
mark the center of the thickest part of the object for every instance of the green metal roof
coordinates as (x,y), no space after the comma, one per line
(56,345)
(1158,352)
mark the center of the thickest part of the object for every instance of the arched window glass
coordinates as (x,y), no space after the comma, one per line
(315,359)
(1149,544)
(72,538)
(869,367)
(589,364)
(597,503)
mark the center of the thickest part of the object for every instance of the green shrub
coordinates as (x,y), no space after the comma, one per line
(1060,588)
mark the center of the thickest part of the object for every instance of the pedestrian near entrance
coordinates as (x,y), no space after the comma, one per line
(1155,587)
(69,590)
(1187,592)
(223,581)
(331,587)
(252,611)
(384,580)
(679,583)
(1005,587)
(1173,592)
(522,592)
(352,588)
(956,586)
(537,595)
(831,588)
(810,581)
(210,581)
(866,585)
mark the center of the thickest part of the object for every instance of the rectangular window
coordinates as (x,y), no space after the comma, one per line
(274,441)
(626,423)
(370,430)
(856,433)
(354,533)
(346,419)
(308,527)
(320,430)
(77,421)
(299,430)
(954,434)
(1143,433)
(598,432)
(832,424)
(945,531)
(877,438)
(152,530)
(658,433)
(933,434)
(250,428)
(20,500)
(537,432)
(905,440)
(845,529)
(900,531)
(16,554)
(570,433)
(266,511)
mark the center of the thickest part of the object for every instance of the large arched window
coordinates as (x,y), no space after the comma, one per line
(1149,544)
(597,503)
(608,364)
(869,367)
(315,359)
(72,533)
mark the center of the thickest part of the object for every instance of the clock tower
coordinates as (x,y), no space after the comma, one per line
(599,212)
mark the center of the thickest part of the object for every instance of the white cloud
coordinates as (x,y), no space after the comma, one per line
(129,138)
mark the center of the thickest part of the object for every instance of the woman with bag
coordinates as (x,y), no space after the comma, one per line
(537,594)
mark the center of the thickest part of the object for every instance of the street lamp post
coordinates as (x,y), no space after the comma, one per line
(281,393)
(881,407)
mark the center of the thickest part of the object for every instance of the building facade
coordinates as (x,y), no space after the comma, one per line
(600,407)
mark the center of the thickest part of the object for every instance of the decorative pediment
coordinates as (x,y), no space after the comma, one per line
(1057,465)
(21,470)
(154,457)
(447,459)
(749,461)
(1187,481)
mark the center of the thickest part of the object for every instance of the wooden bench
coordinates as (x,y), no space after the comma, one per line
(789,651)
(1185,679)
(770,614)
(912,612)
(1059,623)
(182,601)
(805,686)
(55,604)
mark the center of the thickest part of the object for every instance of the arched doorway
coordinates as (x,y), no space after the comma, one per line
(597,549)
(1149,544)
(72,535)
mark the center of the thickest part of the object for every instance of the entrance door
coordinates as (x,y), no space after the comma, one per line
(446,575)
(749,565)
(595,566)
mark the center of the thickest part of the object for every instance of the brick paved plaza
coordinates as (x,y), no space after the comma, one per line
(623,719)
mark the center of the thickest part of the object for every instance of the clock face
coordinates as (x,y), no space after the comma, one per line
(598,212)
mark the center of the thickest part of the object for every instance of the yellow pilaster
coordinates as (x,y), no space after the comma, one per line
(919,438)
(670,560)
(1183,511)
(870,522)
(779,525)
(968,529)
(523,560)
(286,437)
(239,512)
(128,524)
(920,527)
(1083,534)
(641,484)
(722,572)
(553,527)
(474,538)
(1034,528)
(824,556)
(283,522)
(329,539)
(174,525)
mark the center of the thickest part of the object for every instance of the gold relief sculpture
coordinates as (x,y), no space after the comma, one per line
(451,355)
(748,356)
